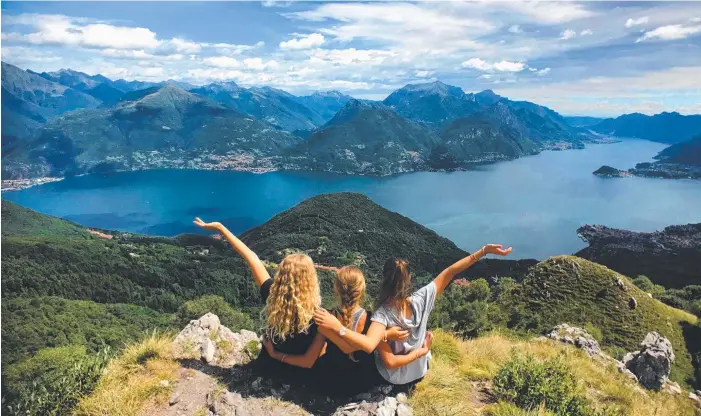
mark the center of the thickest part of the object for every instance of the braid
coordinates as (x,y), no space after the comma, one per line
(350,289)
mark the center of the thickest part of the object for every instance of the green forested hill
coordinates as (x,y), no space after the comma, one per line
(30,324)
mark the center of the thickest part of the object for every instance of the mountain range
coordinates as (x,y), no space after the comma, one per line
(665,127)
(67,122)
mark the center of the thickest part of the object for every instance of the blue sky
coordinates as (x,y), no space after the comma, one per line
(587,58)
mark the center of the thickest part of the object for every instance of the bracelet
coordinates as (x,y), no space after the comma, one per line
(283,358)
(384,339)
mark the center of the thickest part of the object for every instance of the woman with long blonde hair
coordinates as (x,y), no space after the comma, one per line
(291,299)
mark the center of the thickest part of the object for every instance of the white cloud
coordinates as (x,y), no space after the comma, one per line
(501,66)
(635,22)
(670,32)
(183,46)
(616,95)
(695,20)
(139,54)
(222,62)
(65,30)
(303,42)
(542,72)
(259,64)
(515,29)
(568,34)
(586,32)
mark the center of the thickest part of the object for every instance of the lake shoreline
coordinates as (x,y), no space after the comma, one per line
(9,185)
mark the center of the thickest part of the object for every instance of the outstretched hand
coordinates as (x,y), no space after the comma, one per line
(212,226)
(325,320)
(497,249)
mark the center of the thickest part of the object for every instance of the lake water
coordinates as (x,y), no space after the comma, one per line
(534,204)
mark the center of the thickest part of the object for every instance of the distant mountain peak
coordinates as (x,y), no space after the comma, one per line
(330,93)
(436,87)
(487,97)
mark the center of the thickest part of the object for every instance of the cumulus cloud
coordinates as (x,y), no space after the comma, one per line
(222,62)
(66,30)
(515,29)
(501,66)
(586,32)
(636,22)
(568,34)
(303,42)
(259,64)
(671,32)
(542,72)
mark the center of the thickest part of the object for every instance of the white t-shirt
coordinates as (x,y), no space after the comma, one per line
(421,302)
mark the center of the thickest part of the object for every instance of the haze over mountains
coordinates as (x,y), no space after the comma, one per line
(67,122)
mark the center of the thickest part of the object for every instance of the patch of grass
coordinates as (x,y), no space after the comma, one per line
(448,388)
(510,409)
(144,372)
(579,292)
(445,347)
(252,349)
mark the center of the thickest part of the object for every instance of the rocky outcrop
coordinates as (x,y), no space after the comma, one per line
(653,363)
(670,257)
(211,348)
(577,337)
(215,344)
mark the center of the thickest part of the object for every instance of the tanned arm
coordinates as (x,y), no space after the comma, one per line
(306,360)
(392,361)
(447,275)
(260,273)
(366,343)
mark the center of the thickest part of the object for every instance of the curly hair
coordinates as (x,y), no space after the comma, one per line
(349,288)
(294,296)
(396,284)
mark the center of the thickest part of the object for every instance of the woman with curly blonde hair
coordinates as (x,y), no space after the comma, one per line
(291,299)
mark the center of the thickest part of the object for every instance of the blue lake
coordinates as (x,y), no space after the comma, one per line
(534,204)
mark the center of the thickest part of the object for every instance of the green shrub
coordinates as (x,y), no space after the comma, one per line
(52,381)
(645,284)
(594,331)
(228,316)
(529,383)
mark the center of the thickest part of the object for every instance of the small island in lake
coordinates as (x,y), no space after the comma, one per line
(679,161)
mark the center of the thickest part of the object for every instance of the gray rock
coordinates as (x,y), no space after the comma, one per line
(388,407)
(632,303)
(653,363)
(386,389)
(207,350)
(694,397)
(577,337)
(207,339)
(175,398)
(672,387)
(620,284)
(404,409)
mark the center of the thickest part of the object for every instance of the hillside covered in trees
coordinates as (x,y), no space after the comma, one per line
(69,291)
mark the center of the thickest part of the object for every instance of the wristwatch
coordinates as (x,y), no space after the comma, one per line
(343,331)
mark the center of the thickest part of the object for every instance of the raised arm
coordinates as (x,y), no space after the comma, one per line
(443,279)
(366,343)
(260,273)
(391,334)
(306,360)
(393,361)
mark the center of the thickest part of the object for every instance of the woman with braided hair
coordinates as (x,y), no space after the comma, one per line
(357,367)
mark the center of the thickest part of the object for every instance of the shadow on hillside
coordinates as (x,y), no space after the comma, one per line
(692,337)
(250,380)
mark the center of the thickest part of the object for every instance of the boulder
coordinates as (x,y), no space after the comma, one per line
(378,405)
(653,363)
(577,337)
(208,340)
(672,387)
